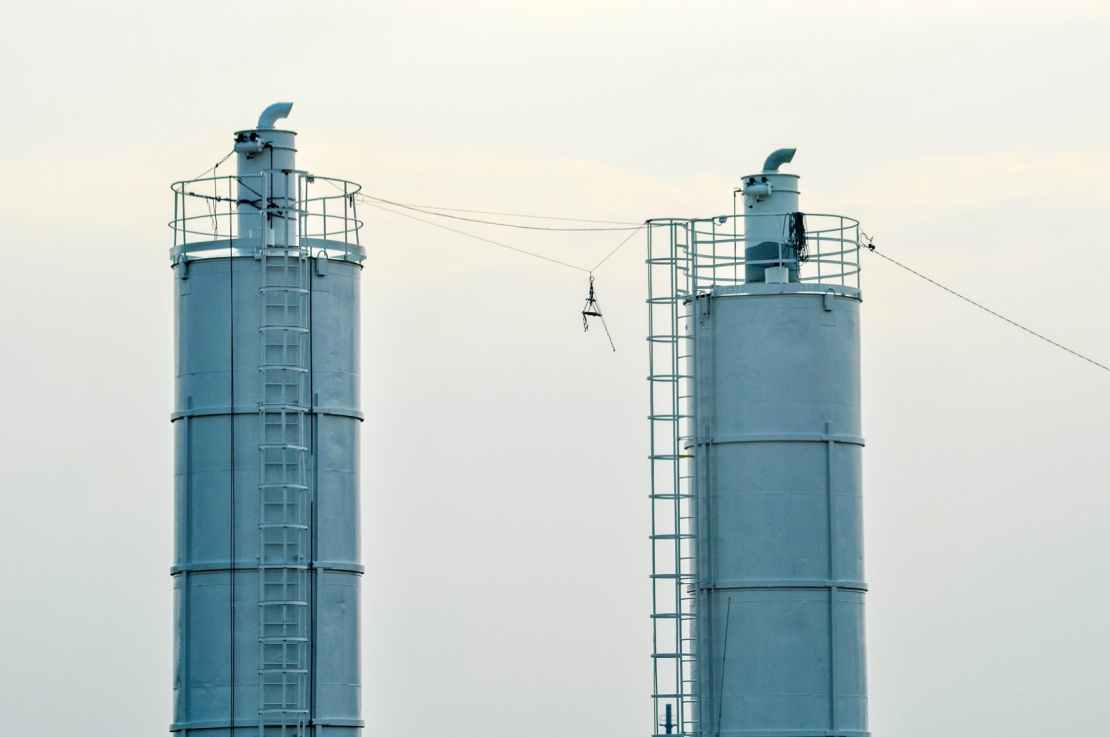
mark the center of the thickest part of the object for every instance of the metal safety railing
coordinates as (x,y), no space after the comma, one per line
(276,206)
(685,259)
(824,251)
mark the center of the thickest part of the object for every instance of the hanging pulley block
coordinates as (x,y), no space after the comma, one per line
(593,309)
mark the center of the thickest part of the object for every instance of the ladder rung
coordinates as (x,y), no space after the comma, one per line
(281,640)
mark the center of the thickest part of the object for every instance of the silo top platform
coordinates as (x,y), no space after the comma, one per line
(759,253)
(267,203)
(239,214)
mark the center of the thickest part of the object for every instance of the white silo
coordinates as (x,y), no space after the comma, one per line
(756,469)
(266,572)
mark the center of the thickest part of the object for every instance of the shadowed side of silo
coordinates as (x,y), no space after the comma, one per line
(761,328)
(267,566)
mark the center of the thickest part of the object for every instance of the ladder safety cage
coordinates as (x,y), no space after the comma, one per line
(284,413)
(687,259)
(673,509)
(285,426)
(284,555)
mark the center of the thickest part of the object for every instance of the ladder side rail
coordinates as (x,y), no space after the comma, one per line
(676,467)
(685,509)
(653,349)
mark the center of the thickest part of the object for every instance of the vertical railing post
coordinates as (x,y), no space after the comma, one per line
(176,222)
(286,196)
(348,199)
(354,216)
(302,208)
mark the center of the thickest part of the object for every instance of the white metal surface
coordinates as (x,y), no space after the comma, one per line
(755,458)
(267,570)
(272,114)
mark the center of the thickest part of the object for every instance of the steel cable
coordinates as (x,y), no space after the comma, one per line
(870,247)
(479,238)
(428,211)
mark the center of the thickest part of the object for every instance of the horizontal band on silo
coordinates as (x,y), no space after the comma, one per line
(223,567)
(789,733)
(253,410)
(253,722)
(781,438)
(783,583)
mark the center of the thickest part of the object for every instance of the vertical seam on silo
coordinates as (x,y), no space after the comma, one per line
(186,499)
(231,422)
(314,448)
(833,707)
(701,506)
(705,341)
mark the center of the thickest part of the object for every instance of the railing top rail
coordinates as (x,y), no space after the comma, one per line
(301,173)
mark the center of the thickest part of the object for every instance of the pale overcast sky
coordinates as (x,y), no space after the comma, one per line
(505,517)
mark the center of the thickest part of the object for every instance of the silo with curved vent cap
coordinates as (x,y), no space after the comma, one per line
(757,469)
(267,267)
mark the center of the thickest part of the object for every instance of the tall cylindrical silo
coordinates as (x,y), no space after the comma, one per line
(769,321)
(267,565)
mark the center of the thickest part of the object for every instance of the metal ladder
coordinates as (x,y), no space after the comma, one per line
(283,560)
(673,514)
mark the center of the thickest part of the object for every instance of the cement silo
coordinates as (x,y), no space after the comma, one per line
(266,572)
(756,469)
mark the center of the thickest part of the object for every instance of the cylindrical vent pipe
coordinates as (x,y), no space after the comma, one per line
(769,198)
(267,159)
(271,115)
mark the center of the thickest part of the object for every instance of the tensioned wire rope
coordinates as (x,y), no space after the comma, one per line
(986,309)
(592,307)
(374,202)
(520,215)
(429,211)
(869,246)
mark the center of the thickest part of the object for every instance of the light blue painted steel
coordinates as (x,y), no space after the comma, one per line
(766,197)
(267,563)
(756,472)
(778,478)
